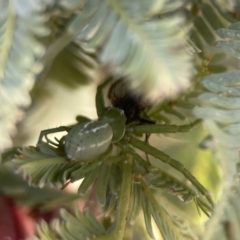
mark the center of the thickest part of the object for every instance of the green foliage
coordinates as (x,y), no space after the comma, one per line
(220,111)
(19,61)
(47,165)
(84,226)
(231,33)
(43,199)
(157,46)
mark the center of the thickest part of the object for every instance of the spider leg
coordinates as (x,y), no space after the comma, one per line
(50,141)
(61,142)
(44,133)
(136,157)
(147,136)
(163,128)
(99,100)
(167,159)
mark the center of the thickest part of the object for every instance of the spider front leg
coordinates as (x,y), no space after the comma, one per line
(99,100)
(167,159)
(163,128)
(44,133)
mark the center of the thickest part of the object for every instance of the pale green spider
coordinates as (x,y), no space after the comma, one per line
(121,126)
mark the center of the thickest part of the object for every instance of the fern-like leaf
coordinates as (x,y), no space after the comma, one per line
(42,168)
(83,226)
(184,192)
(219,107)
(125,36)
(19,60)
(232,35)
(47,165)
(170,226)
(46,199)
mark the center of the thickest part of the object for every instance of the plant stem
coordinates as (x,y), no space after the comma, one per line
(123,205)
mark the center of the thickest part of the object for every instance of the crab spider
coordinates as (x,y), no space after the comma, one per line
(121,125)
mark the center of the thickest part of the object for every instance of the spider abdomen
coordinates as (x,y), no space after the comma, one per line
(88,140)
